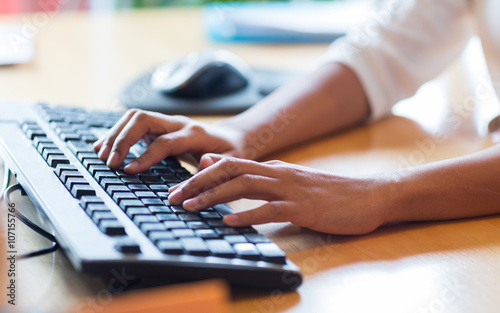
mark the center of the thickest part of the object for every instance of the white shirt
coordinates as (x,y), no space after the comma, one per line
(410,42)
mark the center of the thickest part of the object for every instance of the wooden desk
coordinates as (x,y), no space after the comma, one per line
(85,59)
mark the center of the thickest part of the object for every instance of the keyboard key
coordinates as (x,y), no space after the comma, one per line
(159,209)
(63,168)
(71,181)
(117,188)
(128,203)
(163,195)
(138,187)
(106,182)
(189,217)
(247,251)
(170,178)
(156,187)
(256,238)
(70,174)
(232,239)
(94,208)
(220,248)
(195,246)
(119,196)
(54,159)
(130,180)
(223,209)
(152,201)
(179,233)
(226,231)
(145,194)
(133,211)
(215,223)
(79,191)
(139,219)
(206,234)
(177,208)
(160,235)
(271,252)
(148,227)
(45,145)
(86,200)
(77,146)
(247,230)
(174,224)
(167,217)
(209,215)
(197,225)
(38,140)
(112,227)
(169,246)
(98,167)
(98,216)
(127,245)
(35,132)
(89,162)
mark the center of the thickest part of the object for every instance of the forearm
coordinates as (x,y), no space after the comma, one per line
(328,100)
(456,188)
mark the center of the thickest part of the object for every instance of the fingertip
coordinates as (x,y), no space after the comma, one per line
(104,152)
(232,220)
(114,160)
(209,159)
(133,167)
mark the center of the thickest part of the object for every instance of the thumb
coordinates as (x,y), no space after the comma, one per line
(209,159)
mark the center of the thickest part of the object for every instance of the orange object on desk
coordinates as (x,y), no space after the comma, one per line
(210,296)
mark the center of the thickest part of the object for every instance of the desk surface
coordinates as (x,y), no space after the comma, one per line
(84,59)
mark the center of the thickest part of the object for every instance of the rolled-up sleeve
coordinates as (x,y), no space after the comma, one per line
(402,46)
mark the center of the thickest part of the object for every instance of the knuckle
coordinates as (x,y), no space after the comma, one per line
(275,211)
(196,129)
(164,140)
(274,162)
(132,112)
(246,179)
(141,116)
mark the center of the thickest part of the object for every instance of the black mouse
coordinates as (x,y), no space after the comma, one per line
(204,74)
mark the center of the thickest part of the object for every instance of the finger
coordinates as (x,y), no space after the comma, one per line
(267,213)
(104,144)
(244,186)
(165,145)
(209,159)
(141,124)
(219,173)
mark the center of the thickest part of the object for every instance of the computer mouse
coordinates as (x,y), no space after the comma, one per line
(202,74)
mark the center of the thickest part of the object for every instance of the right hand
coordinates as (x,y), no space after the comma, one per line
(174,135)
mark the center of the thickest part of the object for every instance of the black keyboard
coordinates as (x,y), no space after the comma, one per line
(125,221)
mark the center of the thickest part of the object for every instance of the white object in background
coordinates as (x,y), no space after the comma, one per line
(16,46)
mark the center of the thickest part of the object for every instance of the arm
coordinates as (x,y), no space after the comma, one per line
(456,188)
(327,100)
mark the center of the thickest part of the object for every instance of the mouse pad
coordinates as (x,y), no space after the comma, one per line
(139,94)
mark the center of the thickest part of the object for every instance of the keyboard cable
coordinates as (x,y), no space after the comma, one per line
(6,191)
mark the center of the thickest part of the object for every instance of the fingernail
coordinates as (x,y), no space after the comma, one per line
(132,166)
(114,159)
(173,188)
(231,220)
(175,197)
(191,204)
(104,152)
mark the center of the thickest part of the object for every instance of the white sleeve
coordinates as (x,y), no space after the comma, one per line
(404,45)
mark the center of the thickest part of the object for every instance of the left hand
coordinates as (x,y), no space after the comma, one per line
(303,196)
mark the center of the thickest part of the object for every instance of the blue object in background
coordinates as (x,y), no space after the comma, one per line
(282,22)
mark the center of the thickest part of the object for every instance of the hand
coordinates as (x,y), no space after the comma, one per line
(175,135)
(305,197)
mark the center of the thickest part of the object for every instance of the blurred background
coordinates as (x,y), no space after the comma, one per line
(17,6)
